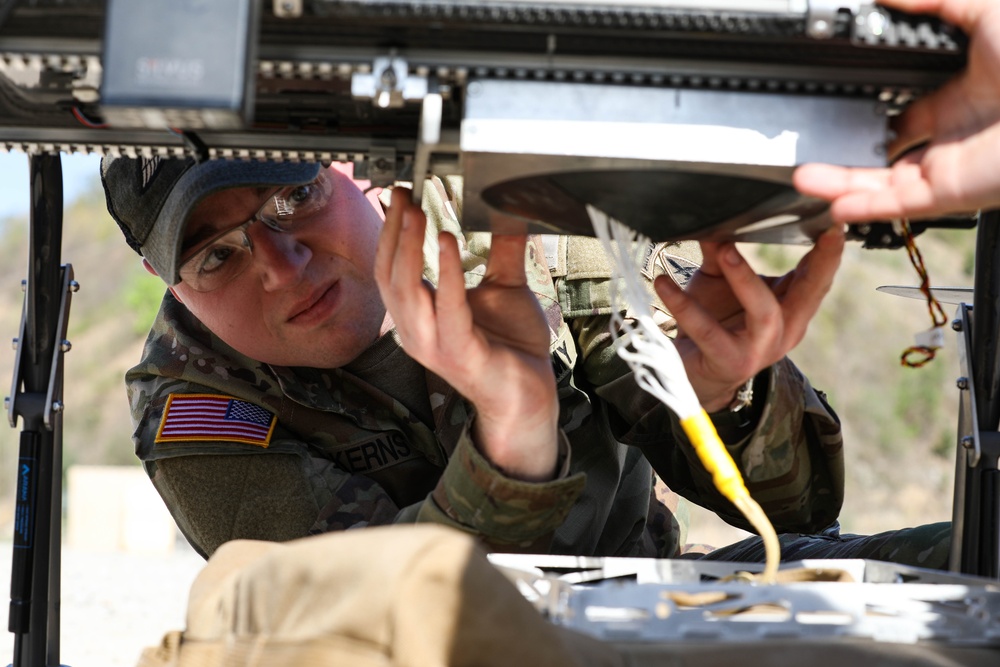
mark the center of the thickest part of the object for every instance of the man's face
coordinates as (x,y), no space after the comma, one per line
(309,297)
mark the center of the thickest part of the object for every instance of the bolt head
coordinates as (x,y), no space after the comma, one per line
(962,383)
(956,325)
(821,27)
(877,22)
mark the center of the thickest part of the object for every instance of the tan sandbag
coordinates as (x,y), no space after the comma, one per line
(417,596)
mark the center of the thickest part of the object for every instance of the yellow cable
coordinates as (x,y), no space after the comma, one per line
(727,479)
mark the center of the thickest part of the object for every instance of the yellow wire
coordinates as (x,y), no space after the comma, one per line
(727,479)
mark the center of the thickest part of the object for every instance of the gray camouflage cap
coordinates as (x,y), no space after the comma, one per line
(151,198)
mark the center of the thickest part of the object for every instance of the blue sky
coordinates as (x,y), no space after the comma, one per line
(79,173)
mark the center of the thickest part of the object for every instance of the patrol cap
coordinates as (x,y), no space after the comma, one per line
(151,198)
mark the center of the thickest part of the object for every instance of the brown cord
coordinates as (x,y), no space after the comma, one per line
(938,317)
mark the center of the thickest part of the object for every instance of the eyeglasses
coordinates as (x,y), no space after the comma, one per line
(226,255)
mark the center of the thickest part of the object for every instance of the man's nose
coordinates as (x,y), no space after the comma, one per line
(278,257)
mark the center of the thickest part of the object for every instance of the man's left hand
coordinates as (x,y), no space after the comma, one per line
(733,323)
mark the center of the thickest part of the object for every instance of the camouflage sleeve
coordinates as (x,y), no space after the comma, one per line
(507,514)
(792,461)
(219,490)
(286,494)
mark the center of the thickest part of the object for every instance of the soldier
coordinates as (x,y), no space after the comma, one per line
(346,364)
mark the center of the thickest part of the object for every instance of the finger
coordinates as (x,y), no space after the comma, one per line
(710,258)
(695,322)
(810,282)
(915,126)
(401,283)
(829,182)
(907,193)
(505,266)
(408,260)
(762,311)
(864,195)
(454,317)
(389,237)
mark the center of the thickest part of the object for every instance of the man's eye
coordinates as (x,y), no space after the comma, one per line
(214,258)
(302,194)
(298,201)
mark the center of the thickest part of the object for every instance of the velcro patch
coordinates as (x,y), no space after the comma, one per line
(212,417)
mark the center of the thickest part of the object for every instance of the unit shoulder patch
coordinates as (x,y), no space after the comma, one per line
(680,269)
(214,417)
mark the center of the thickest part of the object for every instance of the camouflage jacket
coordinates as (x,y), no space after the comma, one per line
(294,451)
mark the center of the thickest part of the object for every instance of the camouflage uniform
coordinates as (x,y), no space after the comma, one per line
(344,451)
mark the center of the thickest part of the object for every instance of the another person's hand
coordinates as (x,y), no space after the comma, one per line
(733,323)
(956,165)
(490,343)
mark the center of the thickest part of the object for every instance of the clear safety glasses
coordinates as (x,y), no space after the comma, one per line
(226,255)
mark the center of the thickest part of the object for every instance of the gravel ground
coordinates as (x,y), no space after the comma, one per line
(113,604)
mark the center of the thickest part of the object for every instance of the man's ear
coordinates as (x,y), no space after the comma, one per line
(149,268)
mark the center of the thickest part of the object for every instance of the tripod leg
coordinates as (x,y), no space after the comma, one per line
(34,609)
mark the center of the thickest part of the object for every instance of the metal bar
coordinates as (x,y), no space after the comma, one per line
(965,513)
(35,612)
(986,321)
(985,361)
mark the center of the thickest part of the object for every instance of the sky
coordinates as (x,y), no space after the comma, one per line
(79,173)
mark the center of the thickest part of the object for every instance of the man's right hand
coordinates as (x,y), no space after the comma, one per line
(955,167)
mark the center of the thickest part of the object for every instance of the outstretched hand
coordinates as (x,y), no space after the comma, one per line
(733,323)
(490,343)
(955,167)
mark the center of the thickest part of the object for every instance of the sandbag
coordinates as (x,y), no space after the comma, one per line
(417,596)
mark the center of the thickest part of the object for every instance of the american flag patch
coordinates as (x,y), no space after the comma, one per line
(201,417)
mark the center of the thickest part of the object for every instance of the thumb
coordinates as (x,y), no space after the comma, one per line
(506,263)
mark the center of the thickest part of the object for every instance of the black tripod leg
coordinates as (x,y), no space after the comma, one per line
(34,609)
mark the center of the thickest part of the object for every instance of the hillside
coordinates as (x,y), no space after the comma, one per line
(899,423)
(108,323)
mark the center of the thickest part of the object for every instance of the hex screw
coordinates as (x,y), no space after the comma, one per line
(956,325)
(962,383)
(65,346)
(967,442)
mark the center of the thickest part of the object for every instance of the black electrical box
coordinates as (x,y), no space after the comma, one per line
(179,63)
